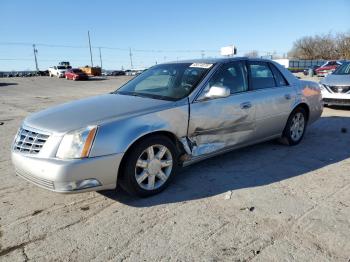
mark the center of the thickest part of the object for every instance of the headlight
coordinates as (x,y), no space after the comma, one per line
(77,144)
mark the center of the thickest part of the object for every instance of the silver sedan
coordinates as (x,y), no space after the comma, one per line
(171,115)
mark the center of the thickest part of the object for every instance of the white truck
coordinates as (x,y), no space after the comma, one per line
(57,71)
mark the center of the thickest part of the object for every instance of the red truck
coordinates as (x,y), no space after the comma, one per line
(327,68)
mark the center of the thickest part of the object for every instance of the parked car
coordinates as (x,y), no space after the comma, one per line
(327,68)
(171,115)
(336,86)
(66,64)
(57,71)
(118,73)
(76,74)
(313,68)
(43,73)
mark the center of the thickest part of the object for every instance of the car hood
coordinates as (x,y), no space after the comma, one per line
(336,80)
(94,110)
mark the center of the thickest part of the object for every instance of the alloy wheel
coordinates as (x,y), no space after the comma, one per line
(297,127)
(153,167)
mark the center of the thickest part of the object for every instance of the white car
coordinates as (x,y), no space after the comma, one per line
(57,71)
(336,87)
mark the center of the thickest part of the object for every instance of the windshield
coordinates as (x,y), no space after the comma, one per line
(343,70)
(61,67)
(167,81)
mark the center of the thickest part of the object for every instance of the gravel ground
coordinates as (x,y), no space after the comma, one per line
(267,202)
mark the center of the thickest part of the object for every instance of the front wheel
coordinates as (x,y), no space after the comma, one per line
(149,166)
(295,127)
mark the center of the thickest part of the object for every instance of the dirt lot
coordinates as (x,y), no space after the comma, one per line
(268,202)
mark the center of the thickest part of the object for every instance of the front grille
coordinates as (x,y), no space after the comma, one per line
(340,89)
(28,141)
(36,180)
(331,101)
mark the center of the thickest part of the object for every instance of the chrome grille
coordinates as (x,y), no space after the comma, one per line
(340,89)
(28,141)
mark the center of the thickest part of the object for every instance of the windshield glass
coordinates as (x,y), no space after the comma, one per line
(343,70)
(167,81)
(61,67)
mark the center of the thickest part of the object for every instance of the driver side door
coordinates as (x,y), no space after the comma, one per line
(217,124)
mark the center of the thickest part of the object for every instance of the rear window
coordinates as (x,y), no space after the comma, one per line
(261,75)
(280,80)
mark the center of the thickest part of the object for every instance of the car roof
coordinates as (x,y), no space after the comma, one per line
(217,60)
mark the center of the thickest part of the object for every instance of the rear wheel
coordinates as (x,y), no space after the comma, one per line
(295,127)
(149,166)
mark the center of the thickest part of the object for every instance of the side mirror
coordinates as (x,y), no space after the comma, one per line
(216,92)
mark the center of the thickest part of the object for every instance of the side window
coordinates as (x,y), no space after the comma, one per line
(280,80)
(232,75)
(261,75)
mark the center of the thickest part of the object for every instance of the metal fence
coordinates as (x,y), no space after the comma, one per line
(305,63)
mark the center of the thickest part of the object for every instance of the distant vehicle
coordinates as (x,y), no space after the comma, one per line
(93,71)
(118,73)
(76,74)
(336,86)
(57,71)
(327,68)
(173,115)
(133,72)
(314,67)
(66,64)
(43,73)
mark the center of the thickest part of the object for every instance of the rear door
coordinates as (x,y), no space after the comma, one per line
(219,123)
(273,98)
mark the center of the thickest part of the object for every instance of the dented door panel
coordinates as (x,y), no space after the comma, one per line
(219,123)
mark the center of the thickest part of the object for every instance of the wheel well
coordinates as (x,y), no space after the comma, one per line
(167,134)
(306,108)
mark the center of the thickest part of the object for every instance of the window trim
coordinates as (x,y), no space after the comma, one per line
(272,66)
(268,63)
(243,62)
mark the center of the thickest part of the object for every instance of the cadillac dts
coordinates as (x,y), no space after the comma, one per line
(171,115)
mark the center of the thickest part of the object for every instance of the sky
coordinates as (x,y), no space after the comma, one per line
(157,31)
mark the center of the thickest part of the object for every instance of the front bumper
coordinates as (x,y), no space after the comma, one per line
(336,102)
(335,99)
(61,175)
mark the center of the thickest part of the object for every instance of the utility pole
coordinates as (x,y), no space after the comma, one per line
(92,64)
(36,61)
(130,54)
(100,57)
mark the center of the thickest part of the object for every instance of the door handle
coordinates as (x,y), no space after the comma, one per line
(287,96)
(246,105)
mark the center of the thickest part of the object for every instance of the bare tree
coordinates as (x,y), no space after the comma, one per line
(325,46)
(343,45)
(252,53)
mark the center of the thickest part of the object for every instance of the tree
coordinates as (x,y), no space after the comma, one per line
(252,53)
(327,47)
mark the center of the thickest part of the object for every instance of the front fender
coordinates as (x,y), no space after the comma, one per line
(117,136)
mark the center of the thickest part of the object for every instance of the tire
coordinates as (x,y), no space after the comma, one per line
(296,126)
(140,170)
